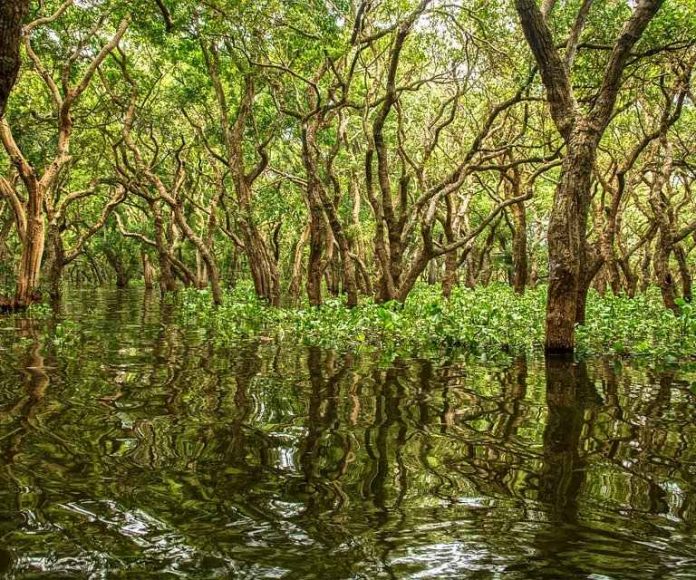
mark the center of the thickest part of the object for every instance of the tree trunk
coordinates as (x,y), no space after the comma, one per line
(29,273)
(567,292)
(264,268)
(665,280)
(317,237)
(122,274)
(684,273)
(148,272)
(167,280)
(12,14)
(55,258)
(449,280)
(520,261)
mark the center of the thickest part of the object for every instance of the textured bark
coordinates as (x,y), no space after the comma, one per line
(566,239)
(12,14)
(449,279)
(32,254)
(296,273)
(262,262)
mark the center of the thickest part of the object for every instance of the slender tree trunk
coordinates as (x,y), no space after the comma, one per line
(296,273)
(55,258)
(148,272)
(317,238)
(520,261)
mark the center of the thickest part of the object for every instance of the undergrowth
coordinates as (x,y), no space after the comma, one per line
(486,321)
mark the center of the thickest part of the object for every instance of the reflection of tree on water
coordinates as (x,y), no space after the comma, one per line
(272,455)
(19,420)
(569,393)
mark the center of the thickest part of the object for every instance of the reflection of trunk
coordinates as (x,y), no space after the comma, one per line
(569,392)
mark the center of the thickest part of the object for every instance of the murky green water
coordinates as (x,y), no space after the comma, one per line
(134,449)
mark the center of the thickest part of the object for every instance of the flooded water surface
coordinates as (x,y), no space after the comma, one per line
(131,447)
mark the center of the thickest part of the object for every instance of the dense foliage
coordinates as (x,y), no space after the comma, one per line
(346,153)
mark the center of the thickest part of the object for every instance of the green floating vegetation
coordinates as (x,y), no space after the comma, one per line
(487,321)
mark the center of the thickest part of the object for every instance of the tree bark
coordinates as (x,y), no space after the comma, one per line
(12,15)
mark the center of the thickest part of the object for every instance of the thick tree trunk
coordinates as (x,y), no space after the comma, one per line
(12,14)
(663,274)
(29,273)
(167,279)
(120,269)
(567,292)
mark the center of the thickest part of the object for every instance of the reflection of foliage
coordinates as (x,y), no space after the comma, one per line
(150,448)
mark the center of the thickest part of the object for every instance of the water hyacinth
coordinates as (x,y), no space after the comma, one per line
(486,321)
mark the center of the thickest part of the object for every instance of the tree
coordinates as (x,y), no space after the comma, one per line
(571,266)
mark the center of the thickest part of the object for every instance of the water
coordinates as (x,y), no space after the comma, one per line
(132,448)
